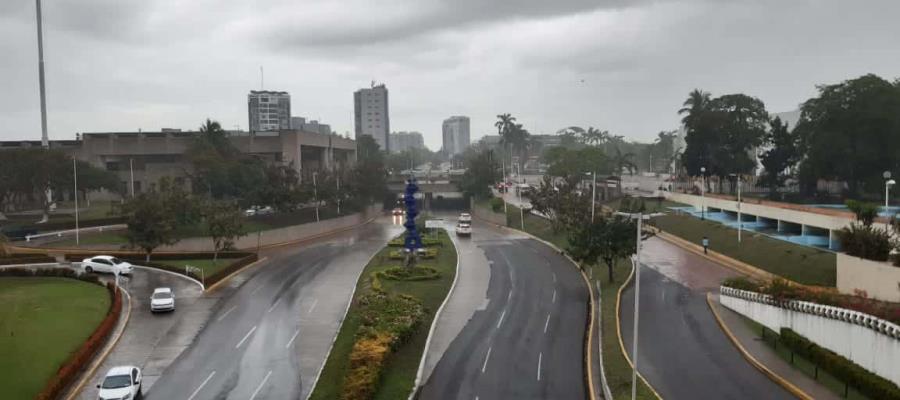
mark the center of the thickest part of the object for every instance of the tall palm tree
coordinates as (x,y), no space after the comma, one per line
(595,137)
(504,123)
(697,102)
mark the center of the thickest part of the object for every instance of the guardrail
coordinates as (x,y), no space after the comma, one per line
(68,232)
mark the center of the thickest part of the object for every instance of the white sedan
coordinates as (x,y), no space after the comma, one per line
(121,383)
(162,300)
(465,217)
(463,229)
(108,264)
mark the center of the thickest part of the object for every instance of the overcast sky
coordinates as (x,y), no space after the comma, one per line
(619,65)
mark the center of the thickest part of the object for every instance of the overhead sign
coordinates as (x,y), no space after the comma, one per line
(434,223)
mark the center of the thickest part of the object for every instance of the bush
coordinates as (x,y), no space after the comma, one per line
(867,383)
(866,242)
(366,360)
(865,212)
(26,259)
(742,283)
(427,253)
(496,204)
(410,274)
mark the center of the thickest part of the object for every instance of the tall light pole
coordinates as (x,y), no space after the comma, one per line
(131,171)
(316,195)
(703,192)
(45,140)
(887,187)
(593,193)
(75,176)
(737,178)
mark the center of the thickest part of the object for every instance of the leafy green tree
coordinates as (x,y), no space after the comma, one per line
(662,151)
(482,171)
(225,223)
(151,222)
(513,136)
(781,155)
(608,239)
(369,177)
(562,202)
(851,132)
(865,212)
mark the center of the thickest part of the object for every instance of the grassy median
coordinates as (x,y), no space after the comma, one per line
(42,321)
(399,372)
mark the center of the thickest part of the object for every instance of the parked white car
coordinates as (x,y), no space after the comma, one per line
(107,264)
(121,383)
(465,217)
(257,210)
(162,299)
(463,229)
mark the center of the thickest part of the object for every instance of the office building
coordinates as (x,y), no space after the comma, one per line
(268,111)
(402,141)
(370,112)
(301,124)
(455,135)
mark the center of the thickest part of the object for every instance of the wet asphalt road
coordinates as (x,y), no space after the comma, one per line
(683,352)
(269,339)
(526,340)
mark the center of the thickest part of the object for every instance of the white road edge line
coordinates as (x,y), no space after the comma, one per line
(261,384)
(554,295)
(509,296)
(246,336)
(221,317)
(313,306)
(292,339)
(486,358)
(540,355)
(256,290)
(500,322)
(274,305)
(547,323)
(205,381)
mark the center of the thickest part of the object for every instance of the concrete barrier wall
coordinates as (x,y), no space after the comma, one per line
(485,213)
(872,343)
(795,216)
(280,235)
(879,280)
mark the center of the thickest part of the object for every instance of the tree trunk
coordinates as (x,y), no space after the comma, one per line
(609,267)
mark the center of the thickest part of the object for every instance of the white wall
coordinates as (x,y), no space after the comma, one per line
(879,280)
(784,214)
(870,342)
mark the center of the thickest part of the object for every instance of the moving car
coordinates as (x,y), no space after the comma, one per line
(463,229)
(397,211)
(162,300)
(465,217)
(257,210)
(121,383)
(108,264)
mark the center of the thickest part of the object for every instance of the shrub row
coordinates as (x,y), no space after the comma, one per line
(427,242)
(130,255)
(26,259)
(867,383)
(783,291)
(410,274)
(426,253)
(81,357)
(387,321)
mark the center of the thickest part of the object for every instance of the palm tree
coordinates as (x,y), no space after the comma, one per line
(504,123)
(512,135)
(595,137)
(696,103)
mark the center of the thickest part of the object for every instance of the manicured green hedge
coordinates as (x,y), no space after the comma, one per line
(26,259)
(867,383)
(409,274)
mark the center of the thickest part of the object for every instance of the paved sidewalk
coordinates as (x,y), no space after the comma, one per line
(752,343)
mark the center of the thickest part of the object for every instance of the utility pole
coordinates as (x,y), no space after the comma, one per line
(316,195)
(45,140)
(131,171)
(75,176)
(637,298)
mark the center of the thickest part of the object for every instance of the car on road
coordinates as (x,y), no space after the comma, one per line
(121,383)
(465,217)
(463,229)
(257,210)
(108,264)
(397,211)
(162,299)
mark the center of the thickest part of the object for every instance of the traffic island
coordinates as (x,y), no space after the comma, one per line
(378,349)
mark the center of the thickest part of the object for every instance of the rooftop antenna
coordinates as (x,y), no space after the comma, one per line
(262,78)
(45,141)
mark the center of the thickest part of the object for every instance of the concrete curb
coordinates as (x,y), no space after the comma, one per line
(341,323)
(796,391)
(171,273)
(98,360)
(619,333)
(437,315)
(318,236)
(231,275)
(590,334)
(721,259)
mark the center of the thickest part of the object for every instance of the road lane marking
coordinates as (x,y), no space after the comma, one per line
(547,323)
(205,381)
(246,336)
(274,304)
(313,306)
(257,289)
(554,295)
(292,339)
(221,317)
(540,355)
(500,322)
(261,384)
(486,358)
(509,296)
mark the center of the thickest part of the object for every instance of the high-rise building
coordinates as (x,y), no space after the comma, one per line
(455,135)
(269,111)
(402,141)
(370,111)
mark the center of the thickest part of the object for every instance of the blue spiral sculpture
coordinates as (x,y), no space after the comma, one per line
(413,241)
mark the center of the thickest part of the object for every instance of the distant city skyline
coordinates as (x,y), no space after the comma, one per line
(625,68)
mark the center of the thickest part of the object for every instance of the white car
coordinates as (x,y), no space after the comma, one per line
(162,300)
(108,264)
(463,229)
(465,217)
(121,383)
(257,210)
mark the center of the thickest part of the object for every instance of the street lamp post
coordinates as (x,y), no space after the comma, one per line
(593,193)
(75,177)
(316,195)
(703,192)
(737,179)
(887,187)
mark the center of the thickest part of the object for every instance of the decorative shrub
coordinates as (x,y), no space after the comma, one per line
(25,259)
(496,204)
(426,253)
(867,383)
(366,361)
(866,242)
(742,284)
(410,274)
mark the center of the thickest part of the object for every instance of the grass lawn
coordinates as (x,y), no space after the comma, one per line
(802,264)
(209,267)
(114,238)
(42,321)
(399,374)
(618,371)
